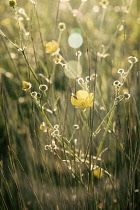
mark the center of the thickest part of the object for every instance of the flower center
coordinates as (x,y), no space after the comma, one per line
(82,104)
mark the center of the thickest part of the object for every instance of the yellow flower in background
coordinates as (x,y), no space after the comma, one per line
(98,172)
(104,3)
(52,47)
(58,59)
(5,22)
(83,99)
(43,127)
(26,85)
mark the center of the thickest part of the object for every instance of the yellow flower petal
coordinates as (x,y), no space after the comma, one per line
(82,100)
(52,47)
(74,101)
(81,94)
(98,173)
(26,85)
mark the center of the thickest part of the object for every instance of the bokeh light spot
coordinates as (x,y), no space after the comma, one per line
(75,39)
(73,69)
(95,9)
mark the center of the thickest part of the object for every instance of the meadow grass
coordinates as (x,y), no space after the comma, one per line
(70,110)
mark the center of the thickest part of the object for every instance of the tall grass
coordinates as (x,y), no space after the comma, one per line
(53,154)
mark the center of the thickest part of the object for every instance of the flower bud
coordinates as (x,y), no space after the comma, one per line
(61,26)
(26,85)
(52,47)
(12,3)
(43,127)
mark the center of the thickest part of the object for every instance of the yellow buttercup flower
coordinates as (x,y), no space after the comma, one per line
(26,85)
(98,172)
(43,127)
(52,47)
(57,59)
(83,99)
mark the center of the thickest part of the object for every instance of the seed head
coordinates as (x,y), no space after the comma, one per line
(39,95)
(132,59)
(78,53)
(56,127)
(76,126)
(117,83)
(88,78)
(34,94)
(61,26)
(127,95)
(43,88)
(80,81)
(120,71)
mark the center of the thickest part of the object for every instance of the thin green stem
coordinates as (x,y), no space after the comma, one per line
(29,66)
(13,152)
(22,50)
(106,130)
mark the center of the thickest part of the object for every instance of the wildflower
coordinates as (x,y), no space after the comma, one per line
(43,87)
(26,85)
(83,99)
(97,172)
(57,59)
(43,127)
(52,47)
(12,3)
(104,3)
(61,26)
